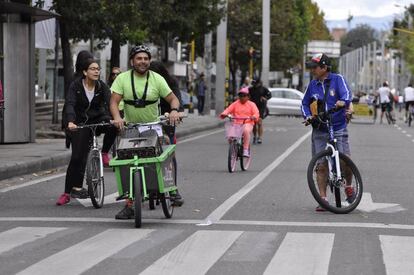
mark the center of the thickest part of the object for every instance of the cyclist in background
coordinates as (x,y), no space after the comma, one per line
(165,107)
(408,99)
(326,91)
(243,107)
(385,96)
(141,89)
(259,95)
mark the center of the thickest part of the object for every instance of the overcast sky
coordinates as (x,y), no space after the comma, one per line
(341,9)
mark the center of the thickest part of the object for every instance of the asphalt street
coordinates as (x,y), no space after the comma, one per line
(261,221)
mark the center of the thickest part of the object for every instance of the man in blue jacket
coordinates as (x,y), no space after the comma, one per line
(327,90)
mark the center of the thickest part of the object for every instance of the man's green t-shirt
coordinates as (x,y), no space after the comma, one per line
(157,88)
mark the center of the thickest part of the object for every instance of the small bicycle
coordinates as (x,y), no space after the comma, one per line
(335,173)
(146,167)
(94,167)
(234,134)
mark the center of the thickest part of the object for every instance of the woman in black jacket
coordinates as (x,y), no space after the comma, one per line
(87,102)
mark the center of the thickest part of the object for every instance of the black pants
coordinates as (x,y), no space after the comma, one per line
(81,141)
(200,104)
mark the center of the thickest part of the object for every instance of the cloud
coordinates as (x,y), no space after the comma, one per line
(336,10)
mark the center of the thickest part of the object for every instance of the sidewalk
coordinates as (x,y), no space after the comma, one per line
(45,154)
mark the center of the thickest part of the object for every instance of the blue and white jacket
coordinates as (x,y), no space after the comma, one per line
(338,90)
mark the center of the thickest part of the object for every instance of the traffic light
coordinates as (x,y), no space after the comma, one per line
(185,52)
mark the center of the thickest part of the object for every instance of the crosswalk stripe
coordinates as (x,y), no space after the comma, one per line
(398,254)
(21,235)
(196,254)
(313,250)
(82,256)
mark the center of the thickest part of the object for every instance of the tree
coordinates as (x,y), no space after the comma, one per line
(402,40)
(361,35)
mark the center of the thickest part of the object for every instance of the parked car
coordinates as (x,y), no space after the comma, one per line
(285,101)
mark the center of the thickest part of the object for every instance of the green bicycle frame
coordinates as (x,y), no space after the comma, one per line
(138,163)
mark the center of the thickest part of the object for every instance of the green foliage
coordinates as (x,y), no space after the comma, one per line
(405,41)
(357,37)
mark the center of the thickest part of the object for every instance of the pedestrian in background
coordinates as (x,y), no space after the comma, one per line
(408,99)
(201,94)
(259,95)
(87,102)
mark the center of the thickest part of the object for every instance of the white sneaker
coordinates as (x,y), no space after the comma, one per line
(246,153)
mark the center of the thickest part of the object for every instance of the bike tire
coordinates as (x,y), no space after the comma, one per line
(245,161)
(336,197)
(166,198)
(137,182)
(232,156)
(410,118)
(94,179)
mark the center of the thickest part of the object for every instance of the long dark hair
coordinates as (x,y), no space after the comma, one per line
(81,60)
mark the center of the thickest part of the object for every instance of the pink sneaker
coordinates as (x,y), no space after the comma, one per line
(105,159)
(63,199)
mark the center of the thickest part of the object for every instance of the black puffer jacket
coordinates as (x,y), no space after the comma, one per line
(78,109)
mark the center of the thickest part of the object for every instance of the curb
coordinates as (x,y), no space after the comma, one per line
(62,159)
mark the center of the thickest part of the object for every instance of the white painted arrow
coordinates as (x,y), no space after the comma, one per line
(367,205)
(109,199)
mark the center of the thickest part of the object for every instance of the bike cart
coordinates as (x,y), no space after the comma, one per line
(146,171)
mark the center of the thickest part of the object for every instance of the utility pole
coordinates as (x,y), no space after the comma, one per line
(265,42)
(55,76)
(221,63)
(207,57)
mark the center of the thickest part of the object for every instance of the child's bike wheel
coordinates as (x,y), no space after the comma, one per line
(94,180)
(245,161)
(338,191)
(138,198)
(232,157)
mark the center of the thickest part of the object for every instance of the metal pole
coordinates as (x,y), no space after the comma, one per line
(55,76)
(221,63)
(266,43)
(207,56)
(374,66)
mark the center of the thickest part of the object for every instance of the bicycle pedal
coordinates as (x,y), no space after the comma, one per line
(122,197)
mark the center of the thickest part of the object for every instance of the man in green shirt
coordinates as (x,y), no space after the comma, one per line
(140,89)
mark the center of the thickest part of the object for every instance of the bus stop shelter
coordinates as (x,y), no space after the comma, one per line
(17,69)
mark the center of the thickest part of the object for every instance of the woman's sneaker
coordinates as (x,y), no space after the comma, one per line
(319,208)
(63,199)
(79,194)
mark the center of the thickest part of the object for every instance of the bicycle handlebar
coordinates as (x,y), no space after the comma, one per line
(94,125)
(239,118)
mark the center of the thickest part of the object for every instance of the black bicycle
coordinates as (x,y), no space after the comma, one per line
(94,167)
(333,178)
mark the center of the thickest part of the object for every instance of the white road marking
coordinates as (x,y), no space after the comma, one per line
(199,136)
(221,222)
(220,211)
(313,250)
(33,182)
(196,254)
(397,252)
(367,205)
(109,199)
(20,235)
(82,256)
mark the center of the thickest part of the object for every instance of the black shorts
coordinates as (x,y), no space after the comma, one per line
(386,107)
(407,104)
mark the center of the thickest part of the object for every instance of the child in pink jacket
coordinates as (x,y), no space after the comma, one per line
(243,108)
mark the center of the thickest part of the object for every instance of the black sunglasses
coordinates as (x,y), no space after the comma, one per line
(242,95)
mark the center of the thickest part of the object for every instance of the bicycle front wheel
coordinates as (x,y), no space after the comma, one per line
(165,198)
(245,161)
(95,179)
(232,156)
(339,195)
